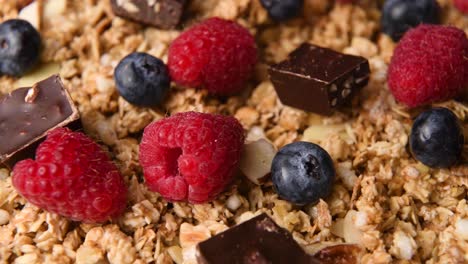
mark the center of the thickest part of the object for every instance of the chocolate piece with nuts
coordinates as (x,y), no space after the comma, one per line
(318,79)
(258,240)
(159,13)
(27,114)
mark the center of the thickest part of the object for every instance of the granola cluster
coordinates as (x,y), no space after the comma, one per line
(395,208)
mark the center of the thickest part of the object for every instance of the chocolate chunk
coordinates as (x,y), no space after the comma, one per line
(27,114)
(159,13)
(258,240)
(318,79)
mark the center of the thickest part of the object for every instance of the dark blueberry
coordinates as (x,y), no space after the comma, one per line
(398,16)
(20,45)
(281,10)
(142,79)
(437,138)
(302,173)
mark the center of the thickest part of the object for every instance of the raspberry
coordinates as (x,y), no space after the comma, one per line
(462,5)
(72,176)
(191,156)
(429,65)
(216,54)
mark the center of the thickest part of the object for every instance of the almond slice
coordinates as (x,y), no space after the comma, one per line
(32,14)
(39,73)
(256,160)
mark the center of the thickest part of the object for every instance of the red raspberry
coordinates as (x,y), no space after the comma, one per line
(72,176)
(216,54)
(462,5)
(429,65)
(191,156)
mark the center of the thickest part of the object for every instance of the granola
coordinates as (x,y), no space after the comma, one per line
(396,209)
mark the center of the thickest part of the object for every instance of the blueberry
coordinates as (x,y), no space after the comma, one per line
(281,10)
(398,16)
(20,45)
(437,138)
(142,79)
(302,173)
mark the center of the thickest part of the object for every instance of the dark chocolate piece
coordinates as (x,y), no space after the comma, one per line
(159,13)
(318,79)
(27,114)
(258,240)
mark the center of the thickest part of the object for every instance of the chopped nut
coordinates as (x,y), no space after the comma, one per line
(256,160)
(31,95)
(32,14)
(4,217)
(232,203)
(255,133)
(461,228)
(38,74)
(404,246)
